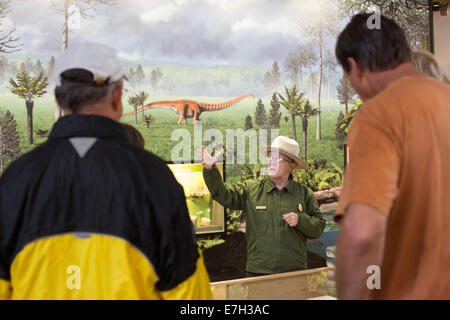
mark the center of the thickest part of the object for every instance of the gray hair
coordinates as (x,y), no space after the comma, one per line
(79,90)
(426,63)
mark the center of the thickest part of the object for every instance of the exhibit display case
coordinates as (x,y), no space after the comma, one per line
(313,284)
(207,215)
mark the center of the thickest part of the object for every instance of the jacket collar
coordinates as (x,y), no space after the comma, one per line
(269,185)
(81,125)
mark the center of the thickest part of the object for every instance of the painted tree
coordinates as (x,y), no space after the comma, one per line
(130,75)
(272,78)
(248,122)
(29,87)
(71,8)
(329,64)
(345,93)
(148,120)
(139,75)
(276,74)
(342,127)
(141,97)
(133,101)
(8,43)
(306,111)
(260,114)
(292,66)
(411,15)
(340,134)
(38,68)
(29,66)
(292,101)
(9,138)
(23,68)
(306,57)
(320,24)
(136,77)
(138,100)
(313,78)
(309,58)
(274,114)
(155,77)
(267,82)
(51,67)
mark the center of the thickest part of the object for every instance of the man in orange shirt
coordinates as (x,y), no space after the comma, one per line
(395,224)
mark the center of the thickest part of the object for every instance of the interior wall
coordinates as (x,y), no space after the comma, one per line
(441,26)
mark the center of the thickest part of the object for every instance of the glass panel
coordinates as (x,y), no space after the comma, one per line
(206,214)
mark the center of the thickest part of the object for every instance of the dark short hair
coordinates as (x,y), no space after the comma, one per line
(373,49)
(134,136)
(78,89)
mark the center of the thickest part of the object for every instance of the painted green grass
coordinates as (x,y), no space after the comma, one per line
(158,136)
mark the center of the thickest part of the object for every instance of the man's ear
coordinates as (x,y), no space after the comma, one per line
(292,167)
(117,98)
(355,70)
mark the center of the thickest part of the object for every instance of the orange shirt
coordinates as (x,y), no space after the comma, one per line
(399,164)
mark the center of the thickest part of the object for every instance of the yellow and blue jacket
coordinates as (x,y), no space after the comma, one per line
(88,216)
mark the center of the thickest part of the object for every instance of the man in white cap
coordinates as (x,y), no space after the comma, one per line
(280,214)
(87,215)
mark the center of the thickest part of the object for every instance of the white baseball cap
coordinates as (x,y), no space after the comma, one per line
(101,60)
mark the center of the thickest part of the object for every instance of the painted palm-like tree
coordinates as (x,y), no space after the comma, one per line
(138,100)
(292,101)
(297,105)
(307,111)
(133,101)
(142,96)
(148,120)
(28,87)
(343,125)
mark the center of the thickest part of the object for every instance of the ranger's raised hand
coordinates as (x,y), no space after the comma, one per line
(208,161)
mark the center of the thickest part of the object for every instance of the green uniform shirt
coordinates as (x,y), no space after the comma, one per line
(272,245)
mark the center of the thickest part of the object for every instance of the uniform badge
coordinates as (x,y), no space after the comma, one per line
(300,208)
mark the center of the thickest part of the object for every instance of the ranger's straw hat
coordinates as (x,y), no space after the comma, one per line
(288,147)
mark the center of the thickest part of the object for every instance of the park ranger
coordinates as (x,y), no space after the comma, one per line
(281,214)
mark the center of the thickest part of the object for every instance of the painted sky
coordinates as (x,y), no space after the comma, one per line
(201,32)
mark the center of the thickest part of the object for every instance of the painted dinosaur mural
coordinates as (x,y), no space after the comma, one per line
(189,108)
